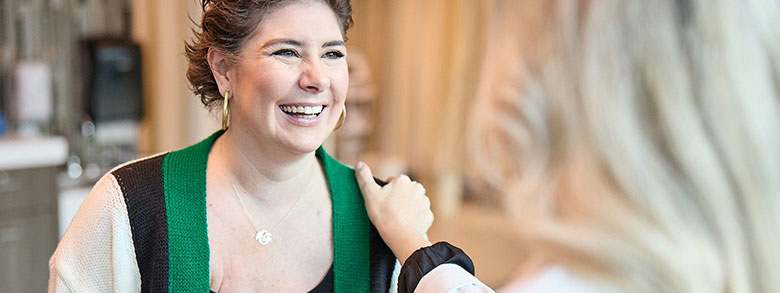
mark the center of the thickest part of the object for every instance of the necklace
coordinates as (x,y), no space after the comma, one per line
(264,236)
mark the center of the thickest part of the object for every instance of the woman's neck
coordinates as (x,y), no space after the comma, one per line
(262,171)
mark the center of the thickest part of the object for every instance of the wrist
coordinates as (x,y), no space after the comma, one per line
(403,241)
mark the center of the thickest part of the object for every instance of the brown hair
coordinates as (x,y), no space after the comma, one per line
(225,26)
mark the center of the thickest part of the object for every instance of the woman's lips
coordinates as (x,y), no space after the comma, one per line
(303,114)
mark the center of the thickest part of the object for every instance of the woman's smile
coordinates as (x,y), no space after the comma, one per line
(303,114)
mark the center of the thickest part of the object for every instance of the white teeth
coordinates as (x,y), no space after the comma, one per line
(305,110)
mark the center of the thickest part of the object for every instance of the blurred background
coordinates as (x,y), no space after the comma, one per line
(88,84)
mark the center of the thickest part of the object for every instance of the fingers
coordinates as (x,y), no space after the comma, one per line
(400,180)
(404,182)
(420,187)
(428,221)
(426,201)
(365,178)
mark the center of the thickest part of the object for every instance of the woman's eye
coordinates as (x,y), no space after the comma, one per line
(286,53)
(333,55)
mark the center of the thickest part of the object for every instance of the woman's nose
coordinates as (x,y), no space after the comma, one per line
(313,78)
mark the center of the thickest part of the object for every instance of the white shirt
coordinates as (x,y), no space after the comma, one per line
(554,278)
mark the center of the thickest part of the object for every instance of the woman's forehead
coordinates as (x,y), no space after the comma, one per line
(305,22)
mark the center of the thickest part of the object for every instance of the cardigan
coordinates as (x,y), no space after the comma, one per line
(143,228)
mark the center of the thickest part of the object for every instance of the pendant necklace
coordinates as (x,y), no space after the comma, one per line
(264,236)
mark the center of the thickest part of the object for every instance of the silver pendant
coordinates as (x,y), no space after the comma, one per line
(263,237)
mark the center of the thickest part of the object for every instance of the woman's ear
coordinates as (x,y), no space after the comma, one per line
(220,66)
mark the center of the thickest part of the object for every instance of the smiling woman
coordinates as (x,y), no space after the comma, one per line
(257,206)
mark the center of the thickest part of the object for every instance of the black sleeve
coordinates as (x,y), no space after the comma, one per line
(426,259)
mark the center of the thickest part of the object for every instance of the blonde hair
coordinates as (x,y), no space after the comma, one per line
(637,141)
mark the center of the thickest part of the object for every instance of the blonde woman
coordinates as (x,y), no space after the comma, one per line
(636,141)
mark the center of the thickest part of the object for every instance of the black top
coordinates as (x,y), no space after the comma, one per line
(326,286)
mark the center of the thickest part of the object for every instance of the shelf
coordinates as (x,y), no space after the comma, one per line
(32,152)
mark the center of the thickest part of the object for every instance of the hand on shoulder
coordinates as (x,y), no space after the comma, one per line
(400,210)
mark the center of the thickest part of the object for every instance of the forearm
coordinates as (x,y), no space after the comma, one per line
(402,240)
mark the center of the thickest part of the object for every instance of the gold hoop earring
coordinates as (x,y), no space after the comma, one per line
(341,118)
(226,111)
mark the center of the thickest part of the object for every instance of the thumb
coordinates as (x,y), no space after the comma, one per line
(365,179)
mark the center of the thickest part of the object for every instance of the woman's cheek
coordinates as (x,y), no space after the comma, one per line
(341,84)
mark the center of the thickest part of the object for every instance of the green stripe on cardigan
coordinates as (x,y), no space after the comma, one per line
(184,175)
(351,263)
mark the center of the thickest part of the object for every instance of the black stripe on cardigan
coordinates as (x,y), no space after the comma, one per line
(142,186)
(382,262)
(382,259)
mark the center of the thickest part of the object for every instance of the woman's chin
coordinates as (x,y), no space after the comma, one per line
(302,140)
(302,146)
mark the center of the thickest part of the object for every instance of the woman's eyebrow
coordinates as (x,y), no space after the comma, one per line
(335,43)
(285,41)
(296,43)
